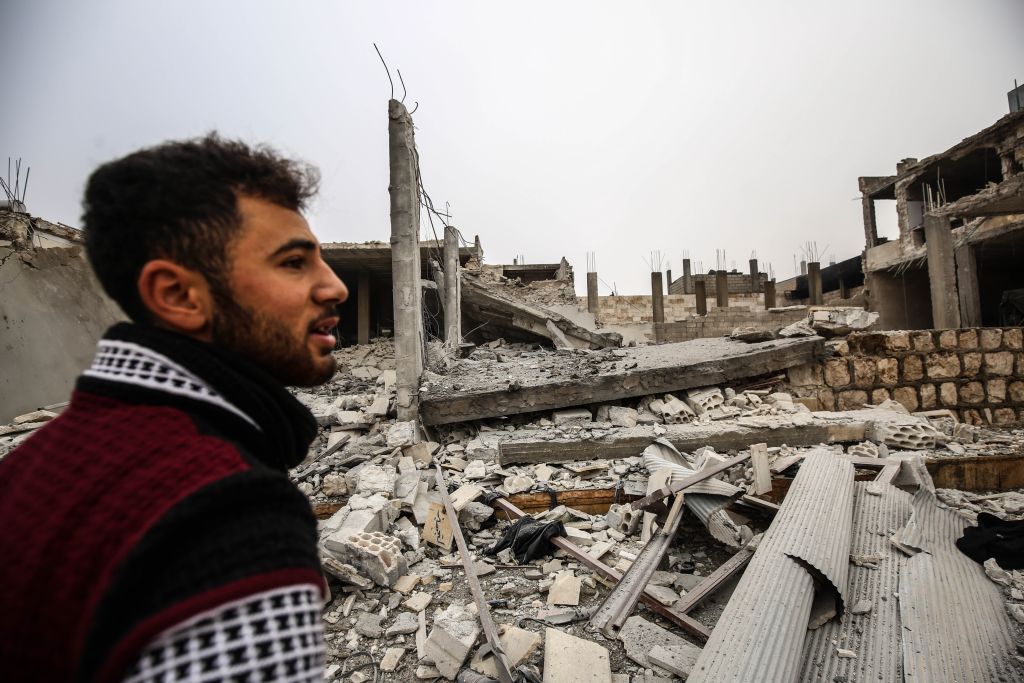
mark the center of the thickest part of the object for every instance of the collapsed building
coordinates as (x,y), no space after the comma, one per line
(960,214)
(510,482)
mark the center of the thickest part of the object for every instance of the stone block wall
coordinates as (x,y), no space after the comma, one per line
(976,372)
(739,283)
(637,308)
(722,321)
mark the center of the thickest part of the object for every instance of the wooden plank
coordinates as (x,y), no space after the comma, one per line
(555,383)
(978,473)
(483,610)
(762,475)
(687,623)
(591,501)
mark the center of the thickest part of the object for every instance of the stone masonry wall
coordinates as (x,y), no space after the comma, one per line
(978,373)
(722,321)
(637,308)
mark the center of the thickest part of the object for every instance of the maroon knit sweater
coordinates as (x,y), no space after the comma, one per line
(137,509)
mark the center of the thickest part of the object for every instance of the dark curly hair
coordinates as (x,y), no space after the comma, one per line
(178,201)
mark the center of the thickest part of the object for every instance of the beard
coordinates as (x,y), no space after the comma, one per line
(268,343)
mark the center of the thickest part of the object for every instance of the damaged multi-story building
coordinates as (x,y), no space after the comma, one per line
(956,261)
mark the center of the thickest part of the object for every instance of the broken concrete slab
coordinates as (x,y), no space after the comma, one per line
(392,657)
(640,636)
(528,446)
(550,384)
(518,319)
(518,644)
(452,637)
(672,660)
(568,659)
(565,590)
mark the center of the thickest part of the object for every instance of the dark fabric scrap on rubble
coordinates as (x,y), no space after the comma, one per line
(994,537)
(528,538)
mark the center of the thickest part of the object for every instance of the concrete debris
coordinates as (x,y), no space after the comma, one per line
(451,639)
(831,322)
(640,637)
(568,659)
(579,457)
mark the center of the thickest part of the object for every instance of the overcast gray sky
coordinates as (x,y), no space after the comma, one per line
(552,128)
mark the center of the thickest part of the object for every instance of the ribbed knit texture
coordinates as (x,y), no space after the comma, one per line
(123,517)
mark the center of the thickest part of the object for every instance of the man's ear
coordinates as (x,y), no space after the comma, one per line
(178,298)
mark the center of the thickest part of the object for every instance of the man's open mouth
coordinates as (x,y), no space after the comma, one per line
(324,329)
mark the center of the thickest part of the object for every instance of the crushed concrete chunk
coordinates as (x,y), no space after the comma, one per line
(518,644)
(639,636)
(402,434)
(675,661)
(997,573)
(392,657)
(453,635)
(564,656)
(405,623)
(565,590)
(572,416)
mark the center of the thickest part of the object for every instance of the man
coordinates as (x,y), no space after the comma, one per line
(150,532)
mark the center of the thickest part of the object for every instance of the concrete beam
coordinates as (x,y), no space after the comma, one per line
(722,289)
(363,309)
(555,381)
(700,291)
(967,286)
(405,260)
(452,288)
(867,209)
(938,235)
(816,297)
(769,294)
(657,297)
(592,302)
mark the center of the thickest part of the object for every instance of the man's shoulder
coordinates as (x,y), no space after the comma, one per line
(102,437)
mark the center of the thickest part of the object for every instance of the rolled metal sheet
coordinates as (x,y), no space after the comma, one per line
(706,500)
(955,627)
(799,570)
(873,636)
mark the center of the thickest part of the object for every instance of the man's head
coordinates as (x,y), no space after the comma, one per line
(205,237)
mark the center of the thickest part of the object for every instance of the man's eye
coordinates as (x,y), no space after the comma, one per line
(296,262)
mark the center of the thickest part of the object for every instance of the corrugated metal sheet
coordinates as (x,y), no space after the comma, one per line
(875,636)
(706,500)
(760,635)
(955,627)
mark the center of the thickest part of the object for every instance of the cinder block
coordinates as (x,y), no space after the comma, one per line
(378,555)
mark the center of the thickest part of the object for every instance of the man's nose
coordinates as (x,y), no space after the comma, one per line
(331,289)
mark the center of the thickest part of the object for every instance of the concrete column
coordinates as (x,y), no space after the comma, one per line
(452,288)
(755,280)
(803,267)
(700,291)
(363,309)
(668,282)
(867,209)
(687,277)
(938,237)
(1006,165)
(722,289)
(592,302)
(844,291)
(967,286)
(405,260)
(814,283)
(657,298)
(769,294)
